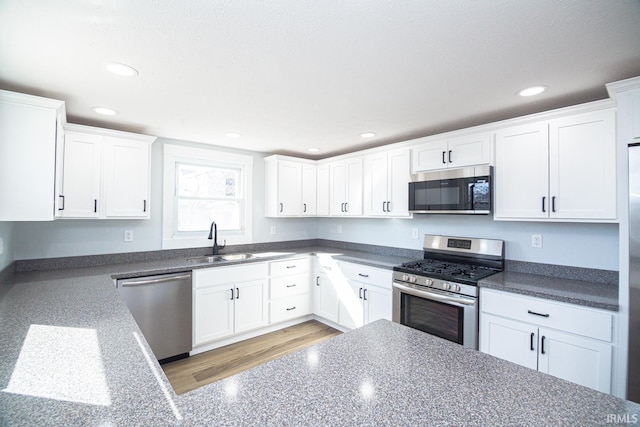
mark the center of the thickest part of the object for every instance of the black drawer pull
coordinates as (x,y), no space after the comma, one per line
(292,308)
(537,314)
(291,266)
(542,345)
(291,286)
(363,275)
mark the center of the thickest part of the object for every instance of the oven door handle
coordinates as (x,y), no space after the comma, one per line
(459,300)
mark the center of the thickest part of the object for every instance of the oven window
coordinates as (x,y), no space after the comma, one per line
(434,317)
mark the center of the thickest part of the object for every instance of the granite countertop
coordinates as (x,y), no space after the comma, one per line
(72,354)
(580,292)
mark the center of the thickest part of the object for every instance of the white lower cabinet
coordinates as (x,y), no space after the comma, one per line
(325,298)
(288,289)
(367,297)
(229,300)
(563,340)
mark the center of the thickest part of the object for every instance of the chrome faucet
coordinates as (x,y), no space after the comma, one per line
(213,235)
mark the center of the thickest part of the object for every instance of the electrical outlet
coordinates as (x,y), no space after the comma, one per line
(339,229)
(415,233)
(536,240)
(128,235)
(1,245)
(273,229)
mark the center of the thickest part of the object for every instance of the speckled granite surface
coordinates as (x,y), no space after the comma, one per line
(589,294)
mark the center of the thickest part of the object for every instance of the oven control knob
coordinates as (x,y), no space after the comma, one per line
(455,288)
(446,286)
(405,277)
(428,282)
(413,279)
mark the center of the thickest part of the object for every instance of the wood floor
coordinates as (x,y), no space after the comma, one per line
(204,368)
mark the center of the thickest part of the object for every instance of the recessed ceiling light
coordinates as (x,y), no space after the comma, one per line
(121,69)
(105,111)
(232,135)
(313,150)
(368,134)
(534,90)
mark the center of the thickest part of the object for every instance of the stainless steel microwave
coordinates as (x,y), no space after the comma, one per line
(452,191)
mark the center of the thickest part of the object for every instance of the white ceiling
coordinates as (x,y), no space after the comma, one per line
(294,74)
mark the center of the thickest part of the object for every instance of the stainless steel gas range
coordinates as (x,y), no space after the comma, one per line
(438,294)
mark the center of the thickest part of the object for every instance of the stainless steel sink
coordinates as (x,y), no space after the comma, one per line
(235,257)
(217,258)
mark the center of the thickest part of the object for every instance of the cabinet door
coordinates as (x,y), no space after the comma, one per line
(27,159)
(580,360)
(127,170)
(635,114)
(289,188)
(399,175)
(338,187)
(325,298)
(469,150)
(309,190)
(377,304)
(509,340)
(521,172)
(351,311)
(429,156)
(213,316)
(81,176)
(354,186)
(582,166)
(322,190)
(251,306)
(376,178)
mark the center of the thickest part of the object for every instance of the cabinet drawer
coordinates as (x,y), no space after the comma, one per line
(285,286)
(366,274)
(289,308)
(565,317)
(289,266)
(231,274)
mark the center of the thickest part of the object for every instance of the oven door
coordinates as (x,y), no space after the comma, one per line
(450,316)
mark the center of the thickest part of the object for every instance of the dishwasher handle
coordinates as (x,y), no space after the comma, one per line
(146,281)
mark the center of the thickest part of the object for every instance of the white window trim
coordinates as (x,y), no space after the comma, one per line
(176,153)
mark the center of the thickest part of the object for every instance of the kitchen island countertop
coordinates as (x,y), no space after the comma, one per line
(71,354)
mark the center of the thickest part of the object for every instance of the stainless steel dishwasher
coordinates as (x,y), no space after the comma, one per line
(161,306)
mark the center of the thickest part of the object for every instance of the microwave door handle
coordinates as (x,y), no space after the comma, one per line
(472,194)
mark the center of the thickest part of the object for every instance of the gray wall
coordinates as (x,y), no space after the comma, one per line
(6,234)
(583,245)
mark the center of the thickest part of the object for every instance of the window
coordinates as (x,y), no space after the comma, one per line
(201,186)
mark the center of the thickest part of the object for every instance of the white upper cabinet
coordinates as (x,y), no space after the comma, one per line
(559,169)
(106,174)
(453,152)
(30,138)
(386,179)
(309,190)
(345,177)
(290,187)
(322,190)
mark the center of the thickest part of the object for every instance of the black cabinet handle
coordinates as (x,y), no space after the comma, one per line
(365,295)
(363,275)
(449,156)
(231,293)
(291,286)
(388,206)
(537,314)
(292,308)
(542,344)
(346,207)
(531,344)
(384,204)
(317,280)
(341,207)
(291,266)
(360,293)
(281,207)
(144,206)
(304,207)
(553,204)
(62,208)
(95,205)
(237,293)
(443,160)
(544,199)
